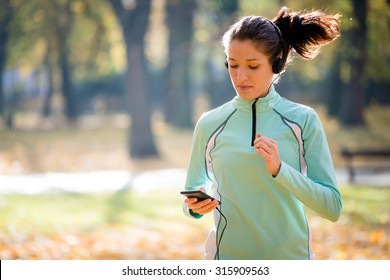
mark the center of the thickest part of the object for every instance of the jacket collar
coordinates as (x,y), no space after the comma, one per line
(263,104)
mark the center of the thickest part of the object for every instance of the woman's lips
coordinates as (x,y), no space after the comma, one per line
(243,88)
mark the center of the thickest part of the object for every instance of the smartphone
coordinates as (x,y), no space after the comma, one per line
(198,194)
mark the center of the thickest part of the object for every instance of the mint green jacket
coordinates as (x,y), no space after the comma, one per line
(265,214)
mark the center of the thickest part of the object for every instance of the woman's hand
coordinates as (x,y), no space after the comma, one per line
(201,207)
(268,149)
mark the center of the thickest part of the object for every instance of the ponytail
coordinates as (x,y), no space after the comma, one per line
(306,32)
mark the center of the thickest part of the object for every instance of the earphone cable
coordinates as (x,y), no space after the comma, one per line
(220,238)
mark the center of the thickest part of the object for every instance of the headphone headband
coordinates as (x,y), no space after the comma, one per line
(278,62)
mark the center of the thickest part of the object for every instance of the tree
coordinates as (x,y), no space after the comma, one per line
(378,66)
(335,86)
(218,85)
(133,18)
(177,101)
(354,95)
(42,37)
(47,109)
(55,30)
(6,13)
(63,29)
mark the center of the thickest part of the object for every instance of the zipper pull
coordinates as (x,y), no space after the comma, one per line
(253,121)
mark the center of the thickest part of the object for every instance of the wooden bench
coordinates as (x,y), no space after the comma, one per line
(362,153)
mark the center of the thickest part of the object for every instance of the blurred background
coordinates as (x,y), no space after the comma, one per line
(98,100)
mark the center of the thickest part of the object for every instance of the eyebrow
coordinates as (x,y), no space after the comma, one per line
(251,59)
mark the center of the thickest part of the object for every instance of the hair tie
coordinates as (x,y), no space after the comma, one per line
(294,26)
(296,20)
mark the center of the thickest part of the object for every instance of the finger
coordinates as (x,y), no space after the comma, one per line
(199,205)
(208,208)
(263,146)
(263,153)
(267,153)
(273,141)
(267,140)
(190,200)
(202,205)
(268,146)
(256,141)
(258,138)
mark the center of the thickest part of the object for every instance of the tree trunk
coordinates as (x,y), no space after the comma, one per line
(6,13)
(63,31)
(46,110)
(141,141)
(335,86)
(71,111)
(177,99)
(134,22)
(354,96)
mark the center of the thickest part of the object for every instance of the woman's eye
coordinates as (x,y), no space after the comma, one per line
(250,67)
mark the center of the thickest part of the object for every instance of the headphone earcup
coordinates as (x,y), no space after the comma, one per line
(277,66)
(226,64)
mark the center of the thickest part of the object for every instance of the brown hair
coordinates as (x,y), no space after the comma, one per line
(302,32)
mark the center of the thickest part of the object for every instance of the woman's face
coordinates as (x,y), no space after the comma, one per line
(249,69)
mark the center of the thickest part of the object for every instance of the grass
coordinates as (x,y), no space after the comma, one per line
(367,206)
(362,206)
(84,212)
(128,223)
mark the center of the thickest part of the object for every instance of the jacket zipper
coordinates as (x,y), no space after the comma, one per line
(253,121)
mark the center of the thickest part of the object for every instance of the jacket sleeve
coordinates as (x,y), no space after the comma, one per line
(319,189)
(197,176)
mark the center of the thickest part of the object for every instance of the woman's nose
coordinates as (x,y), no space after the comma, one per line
(242,75)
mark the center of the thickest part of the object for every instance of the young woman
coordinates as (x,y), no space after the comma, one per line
(260,155)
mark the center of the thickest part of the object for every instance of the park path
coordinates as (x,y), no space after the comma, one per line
(113,181)
(92,182)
